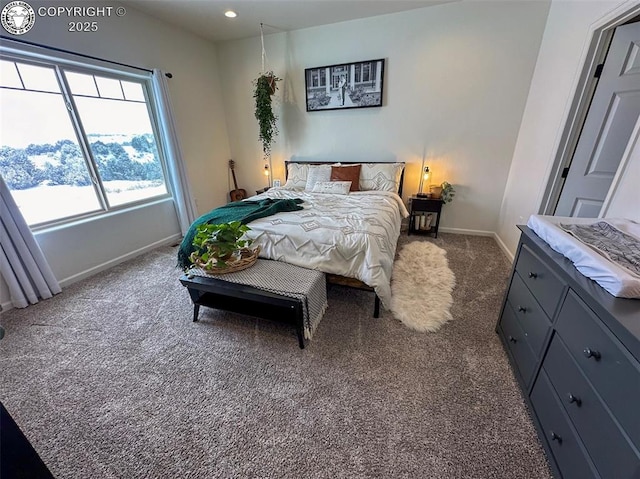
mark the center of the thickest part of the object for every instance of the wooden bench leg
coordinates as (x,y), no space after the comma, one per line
(196,310)
(376,307)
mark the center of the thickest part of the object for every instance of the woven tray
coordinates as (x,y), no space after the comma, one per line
(246,259)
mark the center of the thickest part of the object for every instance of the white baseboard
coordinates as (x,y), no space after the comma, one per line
(120,259)
(7,305)
(493,234)
(461,231)
(503,247)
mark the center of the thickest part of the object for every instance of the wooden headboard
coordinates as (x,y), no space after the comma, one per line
(286,169)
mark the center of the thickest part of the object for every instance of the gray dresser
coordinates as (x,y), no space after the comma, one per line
(575,350)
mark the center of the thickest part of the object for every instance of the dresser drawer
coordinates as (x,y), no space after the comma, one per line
(565,445)
(541,281)
(532,319)
(517,343)
(610,451)
(612,371)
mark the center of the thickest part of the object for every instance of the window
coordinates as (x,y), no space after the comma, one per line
(314,78)
(76,141)
(318,78)
(366,72)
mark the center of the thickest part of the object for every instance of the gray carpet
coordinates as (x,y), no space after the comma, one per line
(112,379)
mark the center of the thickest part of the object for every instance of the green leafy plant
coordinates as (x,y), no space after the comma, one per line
(362,97)
(217,244)
(448,192)
(356,93)
(265,86)
(319,100)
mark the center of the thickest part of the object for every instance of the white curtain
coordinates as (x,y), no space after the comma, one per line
(185,206)
(22,264)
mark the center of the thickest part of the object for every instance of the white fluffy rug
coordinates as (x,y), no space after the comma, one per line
(421,286)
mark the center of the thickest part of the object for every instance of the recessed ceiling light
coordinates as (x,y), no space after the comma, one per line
(230,14)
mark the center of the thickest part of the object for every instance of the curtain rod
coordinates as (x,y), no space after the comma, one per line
(62,50)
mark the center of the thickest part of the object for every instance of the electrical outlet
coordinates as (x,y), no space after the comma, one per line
(276,183)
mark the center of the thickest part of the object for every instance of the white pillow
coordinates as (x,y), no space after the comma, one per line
(317,173)
(296,176)
(335,187)
(380,176)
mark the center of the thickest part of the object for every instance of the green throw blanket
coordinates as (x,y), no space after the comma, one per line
(243,211)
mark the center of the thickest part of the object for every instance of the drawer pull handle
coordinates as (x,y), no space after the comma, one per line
(522,309)
(512,339)
(590,353)
(574,399)
(555,437)
(533,275)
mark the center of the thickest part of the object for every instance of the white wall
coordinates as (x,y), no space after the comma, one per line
(143,41)
(562,54)
(456,82)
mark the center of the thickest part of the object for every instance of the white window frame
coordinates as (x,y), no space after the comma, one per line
(35,55)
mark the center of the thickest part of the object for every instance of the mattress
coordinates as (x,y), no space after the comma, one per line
(591,245)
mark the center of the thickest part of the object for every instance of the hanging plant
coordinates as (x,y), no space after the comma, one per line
(265,86)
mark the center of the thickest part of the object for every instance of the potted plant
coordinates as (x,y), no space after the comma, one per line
(443,191)
(447,192)
(265,86)
(221,246)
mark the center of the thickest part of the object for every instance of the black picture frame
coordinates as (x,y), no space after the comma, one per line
(360,83)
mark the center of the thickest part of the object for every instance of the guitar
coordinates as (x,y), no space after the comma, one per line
(237,194)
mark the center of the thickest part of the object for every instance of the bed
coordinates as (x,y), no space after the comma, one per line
(607,250)
(351,237)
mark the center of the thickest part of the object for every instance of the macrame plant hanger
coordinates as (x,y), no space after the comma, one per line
(264,52)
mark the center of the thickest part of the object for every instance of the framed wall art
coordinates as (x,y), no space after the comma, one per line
(347,85)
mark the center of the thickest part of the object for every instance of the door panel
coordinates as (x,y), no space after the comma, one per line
(612,116)
(585,208)
(632,64)
(614,135)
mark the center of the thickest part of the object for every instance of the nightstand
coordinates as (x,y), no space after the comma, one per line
(424,215)
(262,190)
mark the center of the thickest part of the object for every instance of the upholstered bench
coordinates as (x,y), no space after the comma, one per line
(268,289)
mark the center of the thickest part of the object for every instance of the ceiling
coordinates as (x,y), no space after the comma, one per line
(206,17)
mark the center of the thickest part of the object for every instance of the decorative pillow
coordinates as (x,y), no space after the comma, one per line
(335,187)
(317,173)
(347,173)
(381,176)
(296,176)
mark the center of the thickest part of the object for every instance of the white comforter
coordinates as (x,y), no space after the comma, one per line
(352,235)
